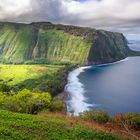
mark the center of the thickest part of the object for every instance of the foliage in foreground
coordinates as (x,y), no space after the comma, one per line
(57,105)
(25,101)
(97,116)
(15,126)
(131,120)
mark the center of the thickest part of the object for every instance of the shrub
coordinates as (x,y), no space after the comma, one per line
(130,119)
(133,119)
(26,101)
(119,119)
(135,123)
(5,88)
(57,105)
(97,116)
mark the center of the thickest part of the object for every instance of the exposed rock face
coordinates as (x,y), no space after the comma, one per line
(48,42)
(107,47)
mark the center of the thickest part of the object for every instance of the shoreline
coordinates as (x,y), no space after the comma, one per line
(68,96)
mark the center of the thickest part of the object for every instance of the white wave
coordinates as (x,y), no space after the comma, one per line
(75,90)
(76,100)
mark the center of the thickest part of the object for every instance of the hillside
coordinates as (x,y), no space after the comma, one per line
(15,126)
(55,44)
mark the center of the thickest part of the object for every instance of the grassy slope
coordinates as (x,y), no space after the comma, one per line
(15,126)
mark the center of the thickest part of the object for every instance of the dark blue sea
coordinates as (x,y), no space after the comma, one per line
(113,88)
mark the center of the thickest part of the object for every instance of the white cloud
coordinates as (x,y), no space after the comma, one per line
(13,8)
(116,15)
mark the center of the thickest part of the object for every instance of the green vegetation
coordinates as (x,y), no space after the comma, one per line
(25,101)
(63,47)
(57,105)
(56,84)
(27,44)
(16,74)
(14,43)
(132,120)
(39,78)
(29,88)
(129,120)
(43,43)
(97,116)
(15,126)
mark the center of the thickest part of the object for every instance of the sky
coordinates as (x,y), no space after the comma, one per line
(113,15)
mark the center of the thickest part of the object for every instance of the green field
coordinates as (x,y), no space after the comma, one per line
(15,74)
(38,78)
(15,126)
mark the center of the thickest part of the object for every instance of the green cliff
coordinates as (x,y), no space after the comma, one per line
(54,43)
(108,47)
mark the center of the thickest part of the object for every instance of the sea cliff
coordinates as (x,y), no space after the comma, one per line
(44,42)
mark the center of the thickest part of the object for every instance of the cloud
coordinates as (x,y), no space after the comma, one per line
(13,8)
(115,15)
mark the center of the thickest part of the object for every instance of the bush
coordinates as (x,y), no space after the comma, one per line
(133,119)
(97,116)
(57,105)
(26,101)
(135,123)
(5,88)
(119,119)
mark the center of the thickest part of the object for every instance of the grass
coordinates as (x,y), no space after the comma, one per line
(15,126)
(37,78)
(16,74)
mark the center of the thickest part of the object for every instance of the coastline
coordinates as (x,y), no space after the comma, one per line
(73,98)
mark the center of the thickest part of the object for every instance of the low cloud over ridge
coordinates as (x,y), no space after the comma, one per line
(114,15)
